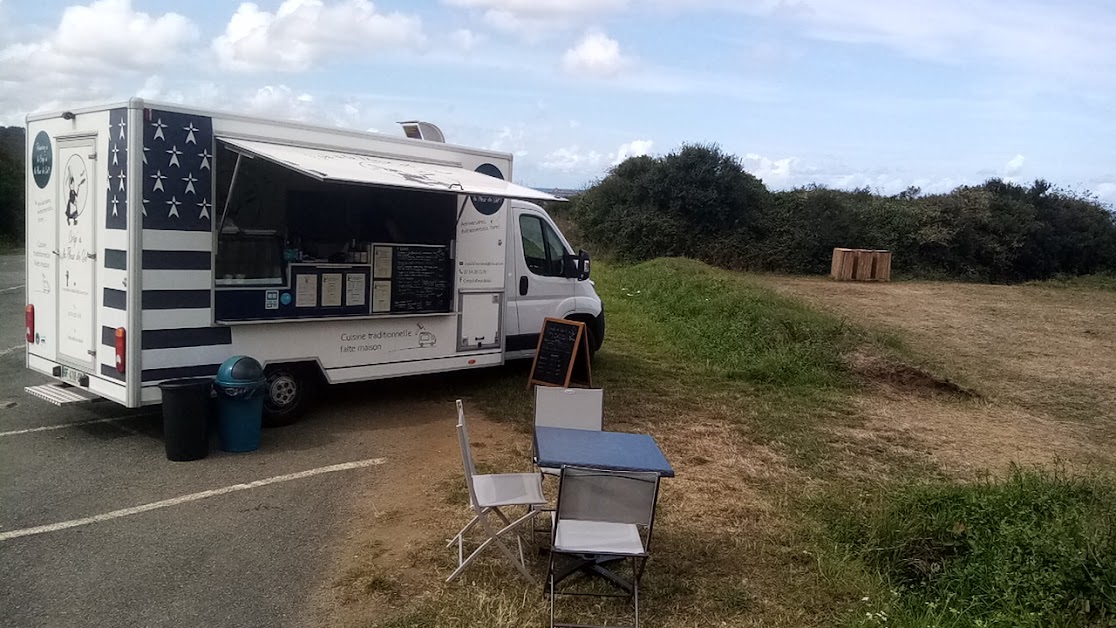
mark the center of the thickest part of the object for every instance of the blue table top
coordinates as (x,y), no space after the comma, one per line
(615,451)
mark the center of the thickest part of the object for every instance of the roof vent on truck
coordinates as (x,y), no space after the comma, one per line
(418,130)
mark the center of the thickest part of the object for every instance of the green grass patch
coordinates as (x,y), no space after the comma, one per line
(683,335)
(682,331)
(1035,549)
(1101,281)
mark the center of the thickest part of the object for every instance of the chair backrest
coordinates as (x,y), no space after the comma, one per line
(611,496)
(573,408)
(466,453)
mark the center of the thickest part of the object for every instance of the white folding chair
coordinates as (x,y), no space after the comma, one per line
(487,495)
(602,517)
(571,408)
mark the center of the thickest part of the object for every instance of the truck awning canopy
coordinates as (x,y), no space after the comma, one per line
(341,167)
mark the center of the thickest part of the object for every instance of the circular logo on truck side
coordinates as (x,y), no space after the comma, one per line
(42,159)
(488,205)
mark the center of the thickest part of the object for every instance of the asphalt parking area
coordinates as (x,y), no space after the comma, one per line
(98,528)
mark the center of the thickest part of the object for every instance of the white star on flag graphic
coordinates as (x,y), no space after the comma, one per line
(204,205)
(121,180)
(159,126)
(145,207)
(205,159)
(158,176)
(145,149)
(190,139)
(173,207)
(174,153)
(190,180)
(122,126)
(114,202)
(115,150)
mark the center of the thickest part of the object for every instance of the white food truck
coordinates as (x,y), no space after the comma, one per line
(162,240)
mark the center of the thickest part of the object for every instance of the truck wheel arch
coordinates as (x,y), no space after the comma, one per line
(596,338)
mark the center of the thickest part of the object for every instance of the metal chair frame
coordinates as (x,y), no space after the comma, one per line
(592,564)
(483,511)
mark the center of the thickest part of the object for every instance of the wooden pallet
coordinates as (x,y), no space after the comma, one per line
(860,265)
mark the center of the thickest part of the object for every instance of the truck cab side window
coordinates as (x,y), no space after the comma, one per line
(542,248)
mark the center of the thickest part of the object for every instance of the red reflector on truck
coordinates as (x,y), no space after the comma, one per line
(29,320)
(121,345)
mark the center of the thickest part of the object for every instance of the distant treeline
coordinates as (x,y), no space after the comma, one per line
(12,143)
(699,202)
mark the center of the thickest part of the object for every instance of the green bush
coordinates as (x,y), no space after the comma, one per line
(699,202)
(1036,549)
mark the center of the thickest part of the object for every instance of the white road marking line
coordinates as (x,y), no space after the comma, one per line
(19,287)
(12,349)
(174,501)
(65,425)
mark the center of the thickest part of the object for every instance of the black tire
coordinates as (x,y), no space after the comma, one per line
(287,394)
(594,338)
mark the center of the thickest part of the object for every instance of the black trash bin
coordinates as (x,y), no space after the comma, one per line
(186,414)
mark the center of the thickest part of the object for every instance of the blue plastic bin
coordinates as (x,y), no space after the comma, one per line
(240,385)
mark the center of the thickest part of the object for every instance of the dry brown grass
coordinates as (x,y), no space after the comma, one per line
(391,568)
(1041,359)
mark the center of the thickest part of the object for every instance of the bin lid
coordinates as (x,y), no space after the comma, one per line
(239,370)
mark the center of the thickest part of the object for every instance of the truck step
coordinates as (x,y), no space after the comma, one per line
(60,394)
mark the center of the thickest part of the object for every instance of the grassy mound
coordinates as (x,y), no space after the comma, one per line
(724,325)
(1034,549)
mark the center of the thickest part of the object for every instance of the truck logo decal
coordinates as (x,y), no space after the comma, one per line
(488,205)
(42,159)
(76,188)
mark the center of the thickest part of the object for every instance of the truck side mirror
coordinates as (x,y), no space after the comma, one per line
(582,265)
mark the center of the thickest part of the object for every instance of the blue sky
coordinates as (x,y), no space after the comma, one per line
(846,93)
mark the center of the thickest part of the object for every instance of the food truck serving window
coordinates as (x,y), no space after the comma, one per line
(292,246)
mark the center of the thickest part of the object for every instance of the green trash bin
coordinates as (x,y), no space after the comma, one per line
(240,386)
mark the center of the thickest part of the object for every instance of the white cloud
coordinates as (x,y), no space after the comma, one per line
(1014,166)
(1106,192)
(465,39)
(591,163)
(106,37)
(1075,38)
(280,101)
(770,171)
(634,148)
(596,55)
(302,33)
(572,159)
(509,140)
(542,8)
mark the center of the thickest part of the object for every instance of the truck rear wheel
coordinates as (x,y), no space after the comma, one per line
(288,390)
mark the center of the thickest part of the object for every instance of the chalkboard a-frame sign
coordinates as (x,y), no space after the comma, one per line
(562,355)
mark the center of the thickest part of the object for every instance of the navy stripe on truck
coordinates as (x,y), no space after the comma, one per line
(117,259)
(116,299)
(158,375)
(111,372)
(522,342)
(108,336)
(176,338)
(177,260)
(175,299)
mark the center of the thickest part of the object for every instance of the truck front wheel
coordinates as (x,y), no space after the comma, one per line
(288,391)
